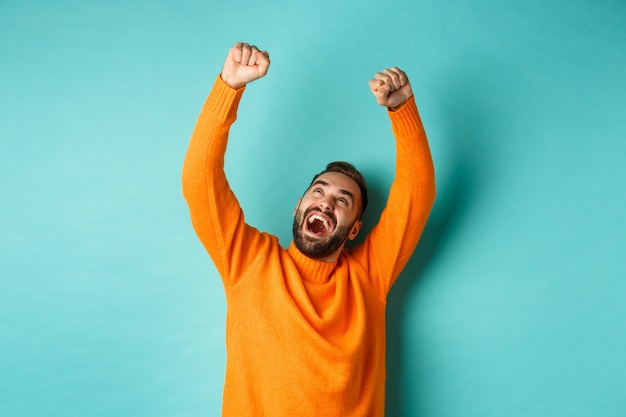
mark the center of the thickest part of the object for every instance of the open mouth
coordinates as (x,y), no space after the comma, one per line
(318,225)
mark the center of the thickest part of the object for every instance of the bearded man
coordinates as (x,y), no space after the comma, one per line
(305,325)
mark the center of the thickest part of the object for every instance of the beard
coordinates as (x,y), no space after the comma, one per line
(317,249)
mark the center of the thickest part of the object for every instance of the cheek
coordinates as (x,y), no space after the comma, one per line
(295,210)
(346,218)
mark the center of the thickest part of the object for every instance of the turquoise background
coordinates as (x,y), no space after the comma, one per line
(514,303)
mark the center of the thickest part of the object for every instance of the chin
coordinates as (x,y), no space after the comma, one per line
(319,249)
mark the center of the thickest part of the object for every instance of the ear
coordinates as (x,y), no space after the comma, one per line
(356,228)
(297,206)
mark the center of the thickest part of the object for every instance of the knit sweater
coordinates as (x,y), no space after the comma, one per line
(303,337)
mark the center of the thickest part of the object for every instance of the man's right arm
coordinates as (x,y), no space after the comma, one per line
(215,213)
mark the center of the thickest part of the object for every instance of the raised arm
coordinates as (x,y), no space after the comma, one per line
(391,242)
(215,213)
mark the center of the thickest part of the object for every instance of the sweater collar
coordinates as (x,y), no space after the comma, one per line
(310,269)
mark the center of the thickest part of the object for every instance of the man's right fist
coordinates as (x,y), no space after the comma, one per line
(244,63)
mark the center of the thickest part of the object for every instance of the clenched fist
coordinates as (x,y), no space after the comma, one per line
(244,63)
(391,88)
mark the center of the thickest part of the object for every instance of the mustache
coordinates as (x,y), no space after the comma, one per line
(330,215)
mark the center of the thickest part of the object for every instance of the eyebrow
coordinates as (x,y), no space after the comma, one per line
(341,190)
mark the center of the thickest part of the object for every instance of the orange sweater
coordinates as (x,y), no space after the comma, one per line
(303,337)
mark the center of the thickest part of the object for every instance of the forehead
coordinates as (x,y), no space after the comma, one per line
(340,182)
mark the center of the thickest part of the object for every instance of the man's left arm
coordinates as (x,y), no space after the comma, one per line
(392,241)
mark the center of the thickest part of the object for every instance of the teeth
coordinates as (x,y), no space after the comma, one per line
(320,218)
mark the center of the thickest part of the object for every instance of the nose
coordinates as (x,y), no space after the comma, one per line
(327,204)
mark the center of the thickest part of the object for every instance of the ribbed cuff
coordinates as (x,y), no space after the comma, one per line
(406,118)
(223,99)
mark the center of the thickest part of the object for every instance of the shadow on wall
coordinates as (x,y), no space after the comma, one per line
(468,140)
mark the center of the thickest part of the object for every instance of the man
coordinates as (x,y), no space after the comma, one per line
(305,326)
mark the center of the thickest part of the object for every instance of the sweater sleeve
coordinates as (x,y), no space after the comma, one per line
(216,215)
(390,244)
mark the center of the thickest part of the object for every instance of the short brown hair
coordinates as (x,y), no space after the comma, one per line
(349,170)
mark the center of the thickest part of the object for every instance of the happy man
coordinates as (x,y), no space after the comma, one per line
(305,325)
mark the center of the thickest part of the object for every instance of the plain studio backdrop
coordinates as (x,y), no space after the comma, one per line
(514,302)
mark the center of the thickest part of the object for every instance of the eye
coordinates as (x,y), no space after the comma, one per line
(343,201)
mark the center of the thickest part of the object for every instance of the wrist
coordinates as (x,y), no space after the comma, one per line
(396,107)
(234,84)
(399,106)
